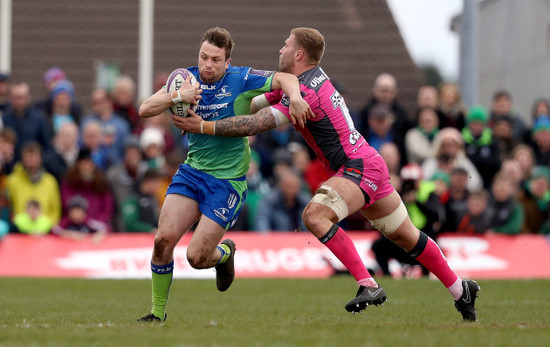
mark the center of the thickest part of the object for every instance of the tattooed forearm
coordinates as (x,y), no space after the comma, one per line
(246,125)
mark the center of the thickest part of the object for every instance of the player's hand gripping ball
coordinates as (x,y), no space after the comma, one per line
(173,83)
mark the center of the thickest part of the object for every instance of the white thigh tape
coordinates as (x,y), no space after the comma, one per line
(280,117)
(329,197)
(388,224)
(260,101)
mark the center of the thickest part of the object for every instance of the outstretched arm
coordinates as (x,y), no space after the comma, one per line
(299,109)
(239,126)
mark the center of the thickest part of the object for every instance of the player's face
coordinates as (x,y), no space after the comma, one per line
(287,54)
(212,62)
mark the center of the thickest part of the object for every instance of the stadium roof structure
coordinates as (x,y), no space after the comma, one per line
(362,39)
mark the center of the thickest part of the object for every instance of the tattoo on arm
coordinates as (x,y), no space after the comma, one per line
(246,125)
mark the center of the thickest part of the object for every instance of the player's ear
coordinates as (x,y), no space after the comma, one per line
(227,62)
(299,54)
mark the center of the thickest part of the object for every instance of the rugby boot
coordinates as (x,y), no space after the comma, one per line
(466,304)
(225,273)
(366,296)
(151,318)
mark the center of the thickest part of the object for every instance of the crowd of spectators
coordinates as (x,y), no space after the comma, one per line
(71,173)
(491,170)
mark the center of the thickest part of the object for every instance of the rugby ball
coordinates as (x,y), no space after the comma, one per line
(174,82)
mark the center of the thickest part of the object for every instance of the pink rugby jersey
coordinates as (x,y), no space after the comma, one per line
(331,134)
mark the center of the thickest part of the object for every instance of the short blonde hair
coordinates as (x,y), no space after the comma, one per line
(311,41)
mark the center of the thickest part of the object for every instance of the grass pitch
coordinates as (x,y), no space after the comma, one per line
(262,312)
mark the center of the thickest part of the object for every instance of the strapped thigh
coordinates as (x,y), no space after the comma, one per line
(326,195)
(388,224)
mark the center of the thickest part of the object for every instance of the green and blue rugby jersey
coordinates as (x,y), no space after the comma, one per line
(226,157)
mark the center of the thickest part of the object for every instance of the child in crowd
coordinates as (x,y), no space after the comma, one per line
(151,142)
(508,213)
(32,221)
(140,210)
(512,168)
(541,140)
(442,182)
(477,219)
(77,225)
(455,199)
(535,199)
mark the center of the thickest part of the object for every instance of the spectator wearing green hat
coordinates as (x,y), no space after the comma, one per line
(480,146)
(535,200)
(541,140)
(442,182)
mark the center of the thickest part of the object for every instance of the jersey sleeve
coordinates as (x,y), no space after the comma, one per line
(255,82)
(274,97)
(280,108)
(281,102)
(257,79)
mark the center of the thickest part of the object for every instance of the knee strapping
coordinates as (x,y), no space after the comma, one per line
(326,195)
(388,224)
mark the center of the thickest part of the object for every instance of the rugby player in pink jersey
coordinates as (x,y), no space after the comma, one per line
(360,179)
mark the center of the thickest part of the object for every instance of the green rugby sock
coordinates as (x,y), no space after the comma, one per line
(161,281)
(225,253)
